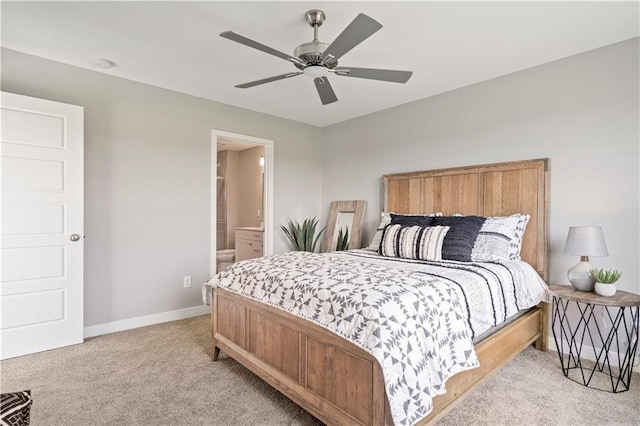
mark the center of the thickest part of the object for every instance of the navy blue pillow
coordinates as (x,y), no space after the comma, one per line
(459,241)
(410,220)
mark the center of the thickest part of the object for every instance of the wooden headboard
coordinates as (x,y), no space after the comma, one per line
(498,189)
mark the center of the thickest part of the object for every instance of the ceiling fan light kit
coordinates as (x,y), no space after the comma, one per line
(316,71)
(316,59)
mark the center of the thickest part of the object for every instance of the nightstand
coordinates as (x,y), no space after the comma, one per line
(576,326)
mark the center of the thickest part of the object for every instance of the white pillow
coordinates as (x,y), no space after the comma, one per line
(500,238)
(377,237)
(384,221)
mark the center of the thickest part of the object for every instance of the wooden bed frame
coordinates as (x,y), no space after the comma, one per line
(340,383)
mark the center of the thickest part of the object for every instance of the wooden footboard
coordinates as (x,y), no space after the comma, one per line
(331,378)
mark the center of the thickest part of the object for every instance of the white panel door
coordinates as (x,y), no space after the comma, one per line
(41,237)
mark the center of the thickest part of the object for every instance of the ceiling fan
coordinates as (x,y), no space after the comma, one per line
(317,59)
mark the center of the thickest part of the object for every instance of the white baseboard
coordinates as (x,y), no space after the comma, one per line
(587,353)
(128,324)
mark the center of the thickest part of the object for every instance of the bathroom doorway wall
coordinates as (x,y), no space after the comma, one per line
(241,191)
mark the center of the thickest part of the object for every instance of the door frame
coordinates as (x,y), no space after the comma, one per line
(267,206)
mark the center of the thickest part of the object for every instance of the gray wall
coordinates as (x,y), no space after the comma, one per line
(147,181)
(582,112)
(147,167)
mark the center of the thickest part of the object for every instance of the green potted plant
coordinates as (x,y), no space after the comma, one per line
(342,242)
(302,237)
(605,281)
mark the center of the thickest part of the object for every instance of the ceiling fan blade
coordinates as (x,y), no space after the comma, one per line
(267,80)
(327,95)
(238,38)
(356,32)
(374,74)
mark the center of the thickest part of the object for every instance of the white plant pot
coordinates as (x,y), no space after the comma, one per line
(606,289)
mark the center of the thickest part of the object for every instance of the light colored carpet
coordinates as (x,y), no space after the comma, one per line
(163,375)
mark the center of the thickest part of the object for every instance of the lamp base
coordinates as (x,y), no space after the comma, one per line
(580,277)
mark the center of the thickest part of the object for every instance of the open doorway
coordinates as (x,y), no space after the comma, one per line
(241,198)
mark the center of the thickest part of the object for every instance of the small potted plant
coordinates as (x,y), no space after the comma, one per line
(605,281)
(302,237)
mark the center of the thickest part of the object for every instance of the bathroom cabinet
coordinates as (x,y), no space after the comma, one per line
(249,243)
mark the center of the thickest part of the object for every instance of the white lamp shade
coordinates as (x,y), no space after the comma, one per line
(585,241)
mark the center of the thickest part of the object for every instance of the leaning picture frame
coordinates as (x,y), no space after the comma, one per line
(345,215)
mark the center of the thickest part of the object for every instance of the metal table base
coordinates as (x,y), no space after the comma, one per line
(570,338)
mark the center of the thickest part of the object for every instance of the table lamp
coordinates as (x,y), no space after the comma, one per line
(584,241)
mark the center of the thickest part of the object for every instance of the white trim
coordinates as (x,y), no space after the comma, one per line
(128,324)
(267,208)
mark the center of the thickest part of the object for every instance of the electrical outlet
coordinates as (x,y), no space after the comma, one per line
(186,281)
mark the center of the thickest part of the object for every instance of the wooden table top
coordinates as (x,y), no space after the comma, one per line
(621,298)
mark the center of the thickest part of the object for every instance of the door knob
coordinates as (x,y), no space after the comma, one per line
(74,237)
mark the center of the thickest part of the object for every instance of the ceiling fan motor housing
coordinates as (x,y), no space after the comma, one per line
(310,53)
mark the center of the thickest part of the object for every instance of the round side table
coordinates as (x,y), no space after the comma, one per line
(613,349)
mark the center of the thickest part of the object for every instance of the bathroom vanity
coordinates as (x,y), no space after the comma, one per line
(249,243)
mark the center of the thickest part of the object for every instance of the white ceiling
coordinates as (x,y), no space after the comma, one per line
(447,45)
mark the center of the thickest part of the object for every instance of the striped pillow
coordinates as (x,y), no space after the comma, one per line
(413,242)
(384,221)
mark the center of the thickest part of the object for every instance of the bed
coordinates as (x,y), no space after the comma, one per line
(339,382)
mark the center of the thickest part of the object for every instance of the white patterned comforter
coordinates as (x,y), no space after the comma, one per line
(417,318)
